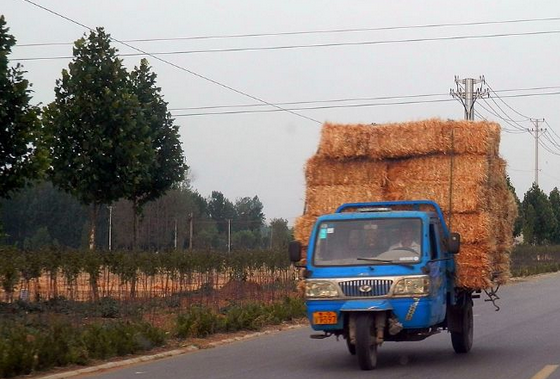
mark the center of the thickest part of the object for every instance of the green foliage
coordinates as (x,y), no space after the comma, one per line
(202,321)
(41,215)
(530,260)
(22,154)
(100,143)
(249,214)
(198,322)
(555,204)
(25,348)
(167,168)
(220,209)
(280,234)
(518,225)
(539,224)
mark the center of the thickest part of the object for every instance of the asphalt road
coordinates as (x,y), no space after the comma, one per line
(522,340)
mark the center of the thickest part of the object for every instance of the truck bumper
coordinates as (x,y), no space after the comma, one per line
(411,312)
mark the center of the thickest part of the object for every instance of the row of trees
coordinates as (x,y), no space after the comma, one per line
(42,216)
(539,217)
(107,136)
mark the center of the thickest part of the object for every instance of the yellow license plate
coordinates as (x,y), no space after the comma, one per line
(325,318)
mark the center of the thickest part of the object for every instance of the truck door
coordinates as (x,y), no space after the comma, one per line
(438,278)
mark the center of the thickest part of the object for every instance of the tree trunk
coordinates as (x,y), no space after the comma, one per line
(134,224)
(93,222)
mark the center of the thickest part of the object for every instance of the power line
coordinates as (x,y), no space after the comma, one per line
(346,106)
(337,100)
(310,102)
(325,31)
(516,130)
(507,105)
(179,67)
(311,46)
(312,108)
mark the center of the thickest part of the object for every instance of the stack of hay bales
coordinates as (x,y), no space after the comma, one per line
(454,163)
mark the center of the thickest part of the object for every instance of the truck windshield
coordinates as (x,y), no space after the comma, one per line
(368,241)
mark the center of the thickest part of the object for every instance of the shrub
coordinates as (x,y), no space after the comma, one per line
(198,322)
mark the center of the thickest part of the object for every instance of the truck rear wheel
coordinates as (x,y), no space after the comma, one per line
(366,345)
(462,339)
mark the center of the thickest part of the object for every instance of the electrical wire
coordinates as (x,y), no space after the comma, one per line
(337,100)
(345,106)
(309,102)
(511,121)
(312,108)
(520,114)
(180,67)
(311,46)
(515,130)
(327,31)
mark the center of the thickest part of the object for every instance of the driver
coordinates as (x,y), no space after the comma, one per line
(406,239)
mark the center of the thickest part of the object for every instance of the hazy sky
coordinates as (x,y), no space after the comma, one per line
(264,153)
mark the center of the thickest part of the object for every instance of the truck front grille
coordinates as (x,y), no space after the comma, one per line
(366,287)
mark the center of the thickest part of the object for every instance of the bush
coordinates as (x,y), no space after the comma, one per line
(26,348)
(530,260)
(198,322)
(202,321)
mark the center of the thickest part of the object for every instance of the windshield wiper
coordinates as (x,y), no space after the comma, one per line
(407,264)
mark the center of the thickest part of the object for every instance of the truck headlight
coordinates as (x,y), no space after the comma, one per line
(412,286)
(318,288)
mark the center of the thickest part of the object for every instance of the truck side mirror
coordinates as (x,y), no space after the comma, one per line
(454,243)
(294,248)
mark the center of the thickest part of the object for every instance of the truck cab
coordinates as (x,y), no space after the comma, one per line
(384,271)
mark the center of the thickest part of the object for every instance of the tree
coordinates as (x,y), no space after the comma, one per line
(220,209)
(43,206)
(540,220)
(167,168)
(249,212)
(22,156)
(100,142)
(280,235)
(518,225)
(555,204)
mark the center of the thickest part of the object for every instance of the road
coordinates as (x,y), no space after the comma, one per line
(522,340)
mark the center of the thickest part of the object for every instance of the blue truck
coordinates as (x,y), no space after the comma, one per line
(384,271)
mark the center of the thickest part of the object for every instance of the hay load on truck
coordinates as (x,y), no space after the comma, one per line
(404,224)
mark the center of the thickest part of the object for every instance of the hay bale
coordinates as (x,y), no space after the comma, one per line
(412,161)
(325,199)
(422,138)
(303,227)
(437,169)
(327,171)
(473,227)
(502,264)
(467,197)
(474,266)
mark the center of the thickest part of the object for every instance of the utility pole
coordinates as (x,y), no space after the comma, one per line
(536,129)
(175,238)
(110,227)
(229,235)
(191,232)
(467,94)
(271,235)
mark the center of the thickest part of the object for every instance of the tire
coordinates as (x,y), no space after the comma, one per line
(366,346)
(462,340)
(351,346)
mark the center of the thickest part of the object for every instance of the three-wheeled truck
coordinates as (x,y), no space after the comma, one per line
(384,271)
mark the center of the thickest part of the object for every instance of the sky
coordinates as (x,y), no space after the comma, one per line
(263,153)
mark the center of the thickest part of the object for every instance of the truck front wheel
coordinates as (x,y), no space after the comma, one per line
(462,339)
(366,345)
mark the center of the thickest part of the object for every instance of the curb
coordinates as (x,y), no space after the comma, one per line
(165,354)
